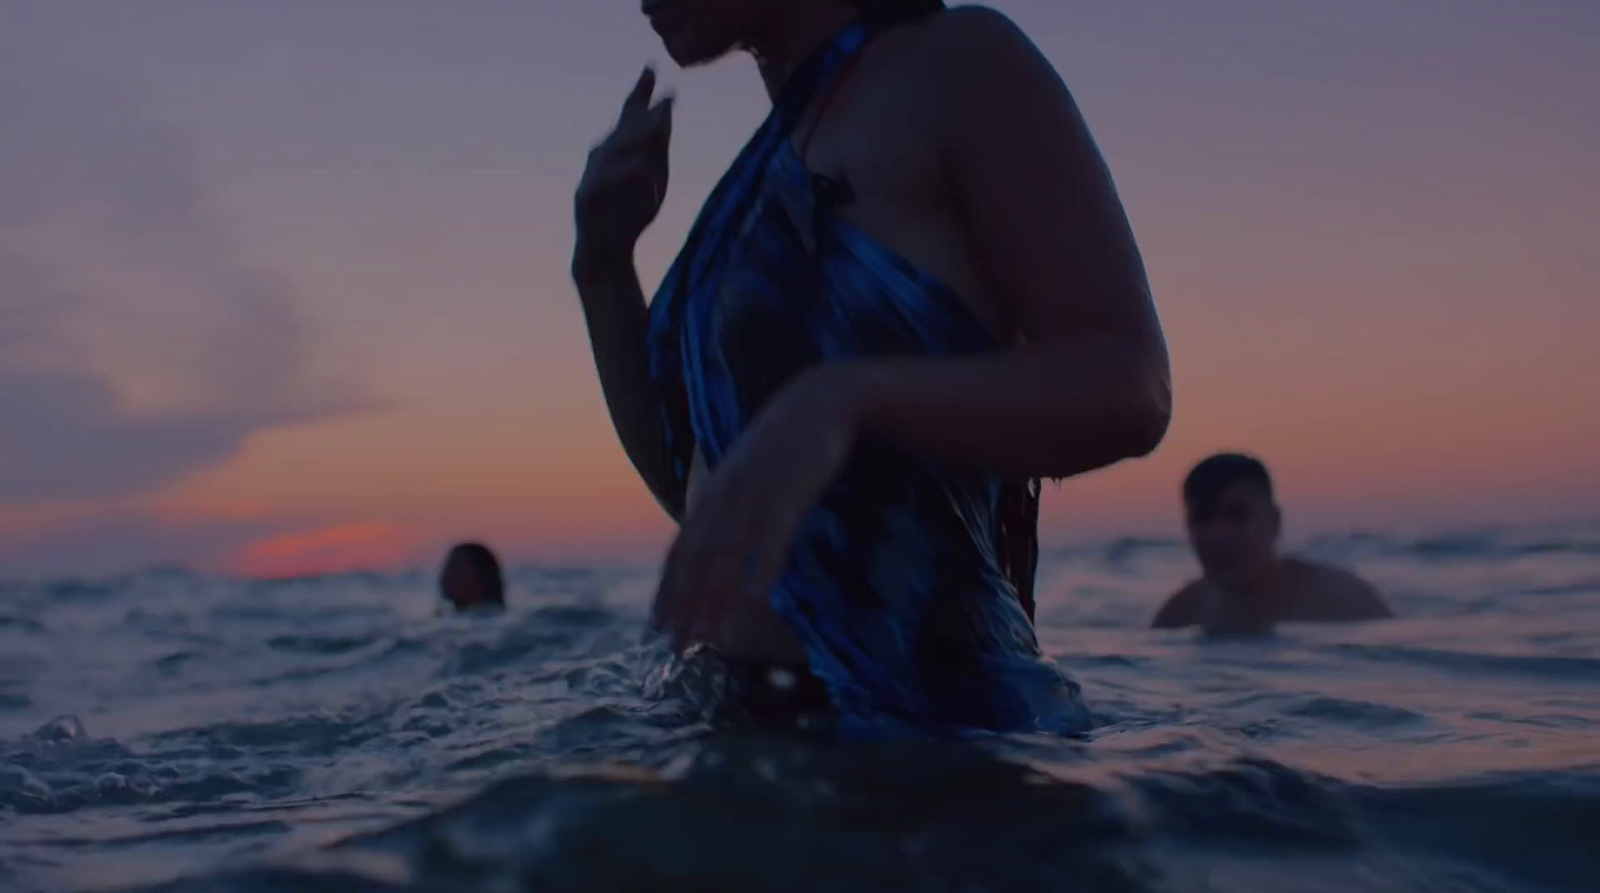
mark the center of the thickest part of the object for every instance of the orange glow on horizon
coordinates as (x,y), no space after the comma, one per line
(368,545)
(1374,270)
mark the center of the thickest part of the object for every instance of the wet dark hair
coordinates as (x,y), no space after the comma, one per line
(882,12)
(488,567)
(1204,485)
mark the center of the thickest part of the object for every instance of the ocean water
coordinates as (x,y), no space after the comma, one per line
(168,731)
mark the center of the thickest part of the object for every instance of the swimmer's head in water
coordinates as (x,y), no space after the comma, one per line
(1233,519)
(471,578)
(699,31)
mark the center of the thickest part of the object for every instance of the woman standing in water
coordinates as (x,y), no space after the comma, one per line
(914,294)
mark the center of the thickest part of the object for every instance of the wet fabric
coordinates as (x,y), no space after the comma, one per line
(911,582)
(747,694)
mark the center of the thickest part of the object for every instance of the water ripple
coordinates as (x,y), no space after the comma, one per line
(333,733)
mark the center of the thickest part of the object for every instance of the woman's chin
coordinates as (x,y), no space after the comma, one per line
(687,49)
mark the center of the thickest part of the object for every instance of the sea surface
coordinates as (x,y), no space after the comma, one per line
(171,731)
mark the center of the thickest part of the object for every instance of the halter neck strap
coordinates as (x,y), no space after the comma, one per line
(830,92)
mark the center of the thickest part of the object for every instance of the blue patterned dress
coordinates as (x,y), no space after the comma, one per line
(910,584)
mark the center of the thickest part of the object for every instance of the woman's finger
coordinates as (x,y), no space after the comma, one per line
(633,181)
(661,606)
(660,120)
(774,531)
(733,523)
(764,569)
(703,578)
(632,142)
(676,623)
(638,100)
(668,592)
(714,599)
(743,557)
(691,581)
(725,545)
(719,570)
(661,610)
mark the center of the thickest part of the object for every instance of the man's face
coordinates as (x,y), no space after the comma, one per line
(1237,536)
(699,31)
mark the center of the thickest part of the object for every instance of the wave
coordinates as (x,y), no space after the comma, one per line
(778,815)
(253,722)
(1553,667)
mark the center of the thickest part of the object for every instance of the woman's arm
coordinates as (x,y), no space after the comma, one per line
(619,195)
(1087,386)
(1091,384)
(1032,412)
(618,320)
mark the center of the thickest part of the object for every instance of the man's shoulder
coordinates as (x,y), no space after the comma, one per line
(1322,574)
(1329,592)
(1186,607)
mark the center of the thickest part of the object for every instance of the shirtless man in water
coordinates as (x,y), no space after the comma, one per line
(1248,587)
(962,309)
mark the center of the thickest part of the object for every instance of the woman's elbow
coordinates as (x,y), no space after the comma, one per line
(1146,414)
(1132,428)
(1132,410)
(1147,435)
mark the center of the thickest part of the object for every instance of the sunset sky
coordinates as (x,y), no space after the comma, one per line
(283,285)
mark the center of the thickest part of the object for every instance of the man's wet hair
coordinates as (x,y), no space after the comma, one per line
(482,559)
(1205,483)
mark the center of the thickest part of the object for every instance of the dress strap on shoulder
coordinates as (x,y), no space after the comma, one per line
(825,100)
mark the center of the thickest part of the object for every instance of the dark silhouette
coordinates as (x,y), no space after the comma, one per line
(914,295)
(1234,525)
(471,578)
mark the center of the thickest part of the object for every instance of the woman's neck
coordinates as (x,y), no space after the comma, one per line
(791,36)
